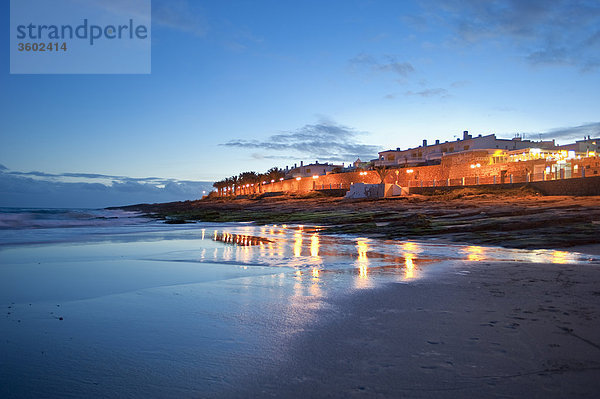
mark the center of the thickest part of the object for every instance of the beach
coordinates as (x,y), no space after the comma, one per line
(487,330)
(115,304)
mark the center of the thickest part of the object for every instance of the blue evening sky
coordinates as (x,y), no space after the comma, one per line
(247,85)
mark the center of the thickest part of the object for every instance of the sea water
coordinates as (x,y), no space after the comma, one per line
(106,303)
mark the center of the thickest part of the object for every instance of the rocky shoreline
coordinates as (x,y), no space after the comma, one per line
(511,218)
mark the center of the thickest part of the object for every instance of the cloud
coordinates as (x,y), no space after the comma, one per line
(2,167)
(39,189)
(574,132)
(182,15)
(388,64)
(561,32)
(326,141)
(437,92)
(460,84)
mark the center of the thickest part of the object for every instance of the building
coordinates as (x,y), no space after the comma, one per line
(358,164)
(313,169)
(586,146)
(432,154)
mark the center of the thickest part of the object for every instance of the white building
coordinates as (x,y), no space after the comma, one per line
(432,154)
(313,169)
(585,146)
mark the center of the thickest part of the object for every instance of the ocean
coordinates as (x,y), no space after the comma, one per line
(107,303)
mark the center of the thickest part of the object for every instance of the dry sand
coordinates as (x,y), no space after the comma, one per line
(481,330)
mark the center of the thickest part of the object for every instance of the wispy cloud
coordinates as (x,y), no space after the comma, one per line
(326,141)
(558,32)
(460,84)
(89,190)
(574,132)
(428,93)
(386,63)
(182,15)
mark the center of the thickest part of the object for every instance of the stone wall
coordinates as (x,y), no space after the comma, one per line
(575,186)
(455,170)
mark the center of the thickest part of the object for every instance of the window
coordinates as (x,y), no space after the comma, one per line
(444,149)
(307,170)
(451,149)
(420,154)
(390,157)
(414,154)
(467,147)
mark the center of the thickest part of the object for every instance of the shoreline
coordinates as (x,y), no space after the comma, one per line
(512,219)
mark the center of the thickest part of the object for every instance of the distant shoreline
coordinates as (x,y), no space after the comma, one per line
(511,218)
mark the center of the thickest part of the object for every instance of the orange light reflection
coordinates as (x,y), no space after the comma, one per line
(475,253)
(560,257)
(409,266)
(314,245)
(362,262)
(297,244)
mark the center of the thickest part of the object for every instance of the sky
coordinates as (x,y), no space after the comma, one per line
(247,85)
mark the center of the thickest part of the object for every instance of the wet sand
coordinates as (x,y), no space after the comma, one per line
(162,311)
(476,330)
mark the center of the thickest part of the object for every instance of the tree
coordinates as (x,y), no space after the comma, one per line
(382,172)
(274,174)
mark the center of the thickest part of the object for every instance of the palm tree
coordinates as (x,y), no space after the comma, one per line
(382,172)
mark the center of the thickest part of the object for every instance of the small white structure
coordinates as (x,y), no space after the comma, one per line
(363,190)
(394,190)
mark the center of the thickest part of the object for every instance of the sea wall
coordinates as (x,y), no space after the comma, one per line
(460,170)
(579,186)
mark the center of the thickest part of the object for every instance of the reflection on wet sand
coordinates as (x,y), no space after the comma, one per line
(315,273)
(410,247)
(315,256)
(314,245)
(409,267)
(297,244)
(239,239)
(362,262)
(475,253)
(560,257)
(410,250)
